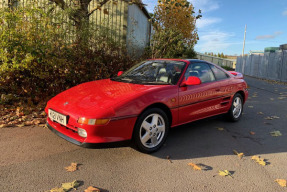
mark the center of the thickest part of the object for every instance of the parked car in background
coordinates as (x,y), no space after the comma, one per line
(144,102)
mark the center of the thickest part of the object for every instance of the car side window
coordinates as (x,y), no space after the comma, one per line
(200,70)
(219,74)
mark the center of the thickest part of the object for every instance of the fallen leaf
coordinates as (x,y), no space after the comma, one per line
(259,160)
(260,113)
(43,113)
(268,118)
(240,155)
(195,167)
(57,190)
(36,122)
(250,106)
(281,98)
(168,158)
(5,125)
(71,185)
(27,123)
(73,167)
(252,133)
(220,128)
(272,99)
(21,125)
(225,173)
(92,189)
(281,182)
(275,133)
(275,117)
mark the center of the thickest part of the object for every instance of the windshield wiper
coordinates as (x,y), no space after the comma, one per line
(157,83)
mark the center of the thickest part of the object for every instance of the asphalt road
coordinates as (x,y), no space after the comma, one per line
(33,158)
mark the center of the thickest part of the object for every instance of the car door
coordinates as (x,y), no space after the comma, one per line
(225,87)
(198,101)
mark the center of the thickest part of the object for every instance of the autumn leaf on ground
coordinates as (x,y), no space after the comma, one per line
(71,185)
(272,99)
(281,182)
(92,189)
(259,160)
(240,155)
(260,113)
(73,167)
(57,190)
(195,167)
(252,133)
(275,117)
(250,106)
(168,158)
(268,118)
(220,128)
(275,133)
(225,173)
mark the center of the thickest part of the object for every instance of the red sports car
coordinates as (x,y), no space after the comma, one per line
(142,103)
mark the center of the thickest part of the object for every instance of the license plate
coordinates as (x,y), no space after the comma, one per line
(59,118)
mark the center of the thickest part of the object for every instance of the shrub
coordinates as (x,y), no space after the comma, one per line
(39,59)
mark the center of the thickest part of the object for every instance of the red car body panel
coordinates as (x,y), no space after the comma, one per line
(122,103)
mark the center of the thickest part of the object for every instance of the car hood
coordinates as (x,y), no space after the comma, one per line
(92,98)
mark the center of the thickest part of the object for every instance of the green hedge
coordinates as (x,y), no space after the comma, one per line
(38,61)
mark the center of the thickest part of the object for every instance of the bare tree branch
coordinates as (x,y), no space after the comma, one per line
(99,5)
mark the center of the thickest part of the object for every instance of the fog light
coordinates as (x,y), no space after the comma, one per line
(82,132)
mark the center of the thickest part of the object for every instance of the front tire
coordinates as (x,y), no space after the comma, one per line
(151,130)
(235,112)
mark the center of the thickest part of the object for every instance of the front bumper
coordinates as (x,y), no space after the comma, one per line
(66,137)
(115,131)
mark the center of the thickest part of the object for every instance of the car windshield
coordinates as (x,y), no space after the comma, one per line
(158,72)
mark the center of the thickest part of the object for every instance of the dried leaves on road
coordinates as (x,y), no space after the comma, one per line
(220,128)
(11,116)
(66,187)
(195,167)
(275,133)
(259,160)
(240,155)
(225,173)
(92,189)
(281,182)
(73,167)
(252,133)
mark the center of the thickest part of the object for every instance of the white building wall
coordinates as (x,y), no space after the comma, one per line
(138,31)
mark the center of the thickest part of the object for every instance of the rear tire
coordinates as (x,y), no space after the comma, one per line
(235,112)
(151,130)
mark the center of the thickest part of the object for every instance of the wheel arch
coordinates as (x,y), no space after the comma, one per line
(162,107)
(242,94)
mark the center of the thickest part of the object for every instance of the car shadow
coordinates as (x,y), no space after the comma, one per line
(215,137)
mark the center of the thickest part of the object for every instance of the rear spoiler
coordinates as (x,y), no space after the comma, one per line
(236,74)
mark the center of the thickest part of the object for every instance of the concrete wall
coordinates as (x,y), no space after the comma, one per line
(138,30)
(271,66)
(216,60)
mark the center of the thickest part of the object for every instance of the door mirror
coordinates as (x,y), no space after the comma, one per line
(120,73)
(192,80)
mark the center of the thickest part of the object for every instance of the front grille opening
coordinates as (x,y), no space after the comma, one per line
(69,129)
